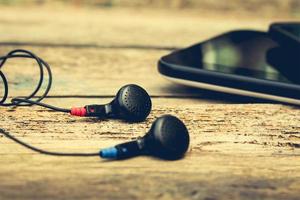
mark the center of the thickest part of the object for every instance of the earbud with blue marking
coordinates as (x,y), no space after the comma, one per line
(168,138)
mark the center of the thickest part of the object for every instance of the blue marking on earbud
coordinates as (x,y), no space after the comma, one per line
(110,153)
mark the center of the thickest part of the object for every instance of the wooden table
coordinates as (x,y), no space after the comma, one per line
(240,149)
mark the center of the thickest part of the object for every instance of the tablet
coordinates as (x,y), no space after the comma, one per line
(244,62)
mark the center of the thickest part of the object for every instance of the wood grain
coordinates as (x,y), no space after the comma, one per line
(100,48)
(121,26)
(238,150)
(99,73)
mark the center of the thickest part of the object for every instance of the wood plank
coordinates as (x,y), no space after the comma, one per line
(104,62)
(122,26)
(94,72)
(239,151)
(86,71)
(98,72)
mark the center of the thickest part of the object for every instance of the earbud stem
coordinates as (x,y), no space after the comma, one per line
(100,111)
(124,150)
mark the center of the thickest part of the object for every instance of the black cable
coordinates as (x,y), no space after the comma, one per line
(17,100)
(20,53)
(7,134)
(5,88)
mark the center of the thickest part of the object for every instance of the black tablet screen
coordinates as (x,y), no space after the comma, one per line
(246,53)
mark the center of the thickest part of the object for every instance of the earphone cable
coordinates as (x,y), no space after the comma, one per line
(51,153)
(18,100)
(26,101)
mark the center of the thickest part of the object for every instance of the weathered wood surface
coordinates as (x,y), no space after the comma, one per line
(112,44)
(238,151)
(120,26)
(99,72)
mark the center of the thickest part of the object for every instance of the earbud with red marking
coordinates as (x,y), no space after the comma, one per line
(132,103)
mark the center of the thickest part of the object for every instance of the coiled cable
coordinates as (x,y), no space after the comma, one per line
(28,100)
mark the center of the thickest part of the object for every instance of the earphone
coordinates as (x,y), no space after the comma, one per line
(132,103)
(168,137)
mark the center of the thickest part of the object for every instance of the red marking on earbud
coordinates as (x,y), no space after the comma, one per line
(78,112)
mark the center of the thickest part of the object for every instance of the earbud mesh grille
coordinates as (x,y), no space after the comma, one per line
(174,135)
(136,102)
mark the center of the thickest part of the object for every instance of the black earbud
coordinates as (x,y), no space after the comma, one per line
(132,103)
(168,139)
